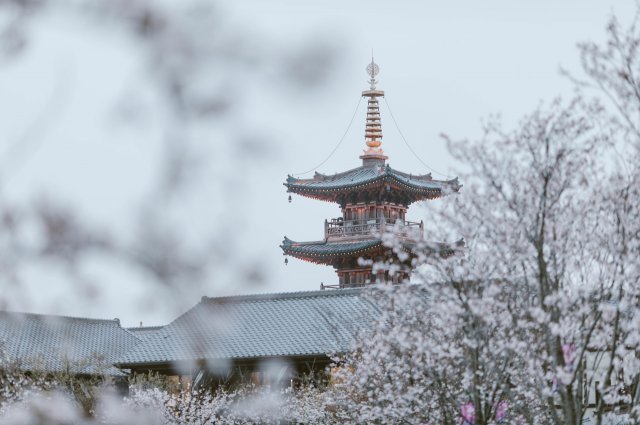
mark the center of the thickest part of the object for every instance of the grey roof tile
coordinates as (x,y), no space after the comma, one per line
(367,174)
(58,343)
(144,332)
(329,248)
(256,326)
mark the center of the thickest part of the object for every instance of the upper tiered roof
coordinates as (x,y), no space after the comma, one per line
(374,180)
(333,188)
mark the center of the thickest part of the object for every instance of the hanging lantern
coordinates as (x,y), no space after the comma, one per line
(289,198)
(286,261)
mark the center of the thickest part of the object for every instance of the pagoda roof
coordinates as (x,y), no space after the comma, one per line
(326,251)
(320,251)
(331,187)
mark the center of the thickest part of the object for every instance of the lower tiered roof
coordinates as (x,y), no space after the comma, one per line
(327,251)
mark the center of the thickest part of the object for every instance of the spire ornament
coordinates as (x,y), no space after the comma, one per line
(373,155)
(373,69)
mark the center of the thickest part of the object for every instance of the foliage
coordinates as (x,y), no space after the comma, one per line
(245,405)
(538,321)
(31,400)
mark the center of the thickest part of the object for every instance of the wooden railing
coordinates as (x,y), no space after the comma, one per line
(340,227)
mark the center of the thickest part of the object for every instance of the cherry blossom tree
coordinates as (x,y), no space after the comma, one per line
(537,320)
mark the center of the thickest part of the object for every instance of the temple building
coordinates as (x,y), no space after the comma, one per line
(374,199)
(227,340)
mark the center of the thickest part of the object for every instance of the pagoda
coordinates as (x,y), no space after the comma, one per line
(374,199)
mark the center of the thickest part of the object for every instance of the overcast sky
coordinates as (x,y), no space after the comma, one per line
(444,66)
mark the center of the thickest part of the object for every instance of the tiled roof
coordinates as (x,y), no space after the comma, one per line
(325,248)
(258,326)
(58,343)
(144,332)
(367,175)
(327,251)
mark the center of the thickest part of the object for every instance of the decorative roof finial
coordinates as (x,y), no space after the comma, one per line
(373,69)
(373,155)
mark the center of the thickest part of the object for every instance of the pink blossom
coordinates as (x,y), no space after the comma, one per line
(468,413)
(501,410)
(569,353)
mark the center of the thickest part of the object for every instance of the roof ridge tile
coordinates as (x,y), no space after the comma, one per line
(282,295)
(58,317)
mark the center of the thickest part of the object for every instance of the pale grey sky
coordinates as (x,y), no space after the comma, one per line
(444,67)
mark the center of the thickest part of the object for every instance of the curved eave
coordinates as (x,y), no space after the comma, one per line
(308,251)
(414,192)
(324,252)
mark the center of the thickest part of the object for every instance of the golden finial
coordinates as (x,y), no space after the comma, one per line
(373,126)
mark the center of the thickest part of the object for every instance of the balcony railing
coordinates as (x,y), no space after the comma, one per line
(340,227)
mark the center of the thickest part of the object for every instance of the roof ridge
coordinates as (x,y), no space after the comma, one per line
(331,242)
(144,328)
(55,316)
(340,174)
(282,295)
(413,176)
